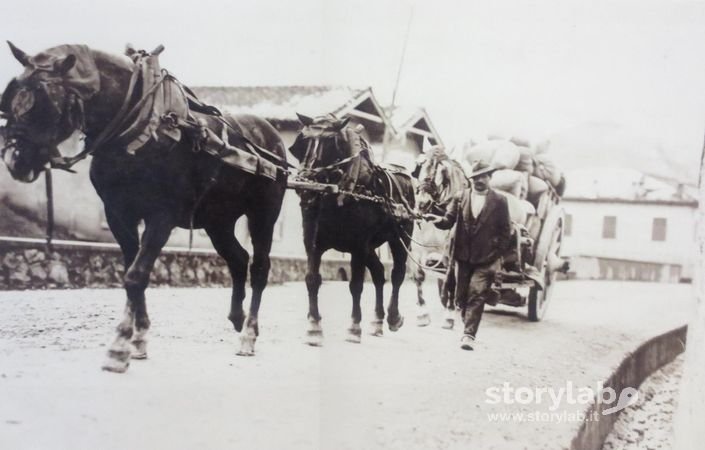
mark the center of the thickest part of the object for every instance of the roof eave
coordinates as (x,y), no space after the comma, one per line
(361,97)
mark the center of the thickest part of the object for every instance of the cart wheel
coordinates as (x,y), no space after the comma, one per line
(539,298)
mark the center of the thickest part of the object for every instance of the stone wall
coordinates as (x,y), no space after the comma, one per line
(633,370)
(28,264)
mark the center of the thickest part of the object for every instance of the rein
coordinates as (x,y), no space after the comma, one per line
(317,170)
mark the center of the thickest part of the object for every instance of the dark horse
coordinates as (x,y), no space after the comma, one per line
(166,186)
(440,178)
(332,153)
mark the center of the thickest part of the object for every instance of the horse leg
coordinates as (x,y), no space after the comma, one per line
(124,229)
(261,231)
(441,291)
(394,319)
(448,292)
(357,278)
(376,268)
(223,238)
(419,278)
(422,317)
(314,334)
(156,233)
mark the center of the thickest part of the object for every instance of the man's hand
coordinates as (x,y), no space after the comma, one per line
(432,218)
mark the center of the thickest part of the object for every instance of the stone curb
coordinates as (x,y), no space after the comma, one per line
(28,264)
(632,371)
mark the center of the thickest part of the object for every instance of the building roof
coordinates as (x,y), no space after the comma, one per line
(281,103)
(624,185)
(415,120)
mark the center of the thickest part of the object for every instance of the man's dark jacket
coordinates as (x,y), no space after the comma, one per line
(478,241)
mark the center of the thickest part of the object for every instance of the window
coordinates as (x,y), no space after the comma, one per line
(658,229)
(609,227)
(568,230)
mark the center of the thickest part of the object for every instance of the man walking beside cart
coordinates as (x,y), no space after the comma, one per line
(482,235)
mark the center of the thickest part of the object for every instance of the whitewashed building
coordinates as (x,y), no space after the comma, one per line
(625,225)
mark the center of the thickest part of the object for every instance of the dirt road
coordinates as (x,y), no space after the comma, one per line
(410,389)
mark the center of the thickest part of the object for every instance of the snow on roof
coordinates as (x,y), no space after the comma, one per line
(622,184)
(280,102)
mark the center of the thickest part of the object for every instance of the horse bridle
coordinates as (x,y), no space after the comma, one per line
(313,152)
(62,98)
(428,186)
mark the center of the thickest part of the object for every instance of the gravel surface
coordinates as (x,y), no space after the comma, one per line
(410,389)
(648,423)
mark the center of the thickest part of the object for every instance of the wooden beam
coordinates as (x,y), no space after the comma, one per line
(364,115)
(420,132)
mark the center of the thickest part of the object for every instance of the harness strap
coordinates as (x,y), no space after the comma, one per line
(350,179)
(112,128)
(256,147)
(334,165)
(49,185)
(404,202)
(215,113)
(234,156)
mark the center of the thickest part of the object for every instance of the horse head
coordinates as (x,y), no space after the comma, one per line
(42,107)
(322,144)
(434,173)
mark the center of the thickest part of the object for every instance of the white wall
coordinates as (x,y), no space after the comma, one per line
(633,233)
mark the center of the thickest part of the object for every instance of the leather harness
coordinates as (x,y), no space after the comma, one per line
(250,159)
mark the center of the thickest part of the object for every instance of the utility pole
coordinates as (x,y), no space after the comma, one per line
(403,56)
(689,430)
(387,136)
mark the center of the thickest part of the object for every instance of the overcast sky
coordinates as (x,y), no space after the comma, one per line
(507,67)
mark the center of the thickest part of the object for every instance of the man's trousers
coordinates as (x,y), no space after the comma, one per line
(472,290)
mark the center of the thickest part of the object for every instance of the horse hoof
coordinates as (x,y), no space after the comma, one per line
(247,343)
(354,339)
(116,365)
(354,334)
(139,350)
(138,355)
(314,334)
(377,328)
(448,324)
(246,350)
(423,320)
(314,338)
(394,326)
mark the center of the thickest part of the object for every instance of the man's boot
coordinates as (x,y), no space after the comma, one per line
(466,342)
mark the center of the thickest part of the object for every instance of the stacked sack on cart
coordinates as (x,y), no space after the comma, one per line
(523,175)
